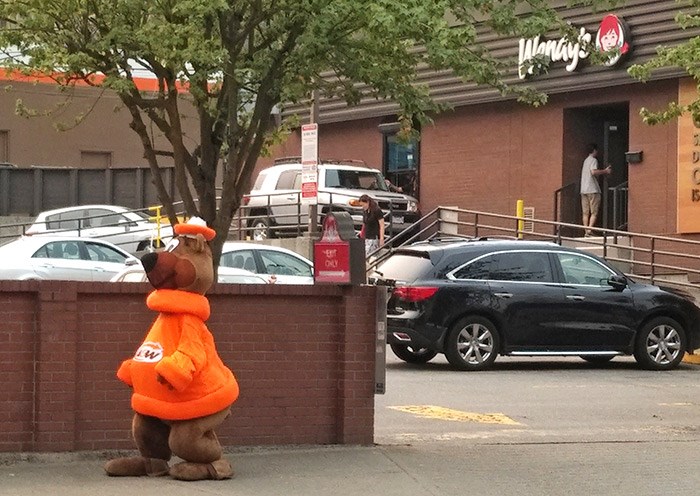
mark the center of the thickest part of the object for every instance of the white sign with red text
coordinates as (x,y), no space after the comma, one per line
(309,164)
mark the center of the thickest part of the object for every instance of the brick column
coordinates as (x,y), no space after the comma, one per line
(355,417)
(56,375)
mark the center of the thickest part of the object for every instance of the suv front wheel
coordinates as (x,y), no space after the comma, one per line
(472,344)
(660,344)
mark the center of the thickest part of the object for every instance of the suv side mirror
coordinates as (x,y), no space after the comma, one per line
(617,282)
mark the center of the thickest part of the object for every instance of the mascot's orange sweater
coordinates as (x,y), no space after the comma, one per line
(179,349)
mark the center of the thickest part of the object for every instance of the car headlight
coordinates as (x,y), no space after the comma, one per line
(412,206)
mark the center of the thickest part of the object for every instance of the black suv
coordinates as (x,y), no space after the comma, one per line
(475,299)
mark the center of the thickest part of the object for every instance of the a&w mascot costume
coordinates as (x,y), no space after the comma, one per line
(182,391)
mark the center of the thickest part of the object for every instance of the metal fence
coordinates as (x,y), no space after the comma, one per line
(28,191)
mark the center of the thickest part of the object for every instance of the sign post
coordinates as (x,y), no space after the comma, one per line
(309,172)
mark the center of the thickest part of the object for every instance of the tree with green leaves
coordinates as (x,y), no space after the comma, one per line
(685,56)
(236,61)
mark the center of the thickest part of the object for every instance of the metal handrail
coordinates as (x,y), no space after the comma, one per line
(608,239)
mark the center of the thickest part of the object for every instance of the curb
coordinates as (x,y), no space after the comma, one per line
(692,359)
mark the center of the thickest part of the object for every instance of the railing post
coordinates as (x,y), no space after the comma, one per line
(556,227)
(653,259)
(476,225)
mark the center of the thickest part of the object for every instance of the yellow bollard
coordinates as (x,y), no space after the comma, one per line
(520,214)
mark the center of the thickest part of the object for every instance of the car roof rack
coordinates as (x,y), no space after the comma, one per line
(297,159)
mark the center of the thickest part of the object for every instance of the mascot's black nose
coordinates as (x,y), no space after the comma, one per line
(149,261)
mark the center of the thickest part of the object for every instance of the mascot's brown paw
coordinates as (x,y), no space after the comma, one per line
(137,466)
(188,471)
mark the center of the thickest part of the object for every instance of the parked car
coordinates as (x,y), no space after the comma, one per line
(64,258)
(274,263)
(274,204)
(228,275)
(474,300)
(131,230)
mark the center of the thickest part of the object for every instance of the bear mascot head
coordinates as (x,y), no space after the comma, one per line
(182,391)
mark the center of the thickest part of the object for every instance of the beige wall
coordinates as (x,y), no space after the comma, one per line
(105,128)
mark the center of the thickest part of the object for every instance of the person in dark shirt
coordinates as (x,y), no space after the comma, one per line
(372,224)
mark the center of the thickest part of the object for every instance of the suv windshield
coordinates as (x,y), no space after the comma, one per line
(353,179)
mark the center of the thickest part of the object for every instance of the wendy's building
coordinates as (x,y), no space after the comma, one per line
(485,154)
(488,152)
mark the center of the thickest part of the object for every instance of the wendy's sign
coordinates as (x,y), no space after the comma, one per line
(612,36)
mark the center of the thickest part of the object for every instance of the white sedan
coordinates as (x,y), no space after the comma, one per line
(227,275)
(275,264)
(62,258)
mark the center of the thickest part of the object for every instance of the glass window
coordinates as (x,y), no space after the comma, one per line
(580,269)
(284,264)
(287,179)
(478,269)
(42,252)
(521,266)
(99,217)
(399,155)
(103,253)
(240,259)
(405,268)
(260,180)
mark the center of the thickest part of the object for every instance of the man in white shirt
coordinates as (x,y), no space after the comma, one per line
(590,189)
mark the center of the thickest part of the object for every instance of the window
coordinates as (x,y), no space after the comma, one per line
(67,250)
(287,180)
(101,253)
(521,266)
(4,146)
(283,264)
(402,163)
(99,217)
(65,221)
(478,269)
(579,269)
(239,259)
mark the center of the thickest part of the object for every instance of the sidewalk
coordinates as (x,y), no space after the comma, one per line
(530,469)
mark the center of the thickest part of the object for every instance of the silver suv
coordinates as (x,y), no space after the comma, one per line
(273,207)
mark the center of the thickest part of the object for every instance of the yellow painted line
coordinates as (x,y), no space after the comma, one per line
(694,359)
(440,413)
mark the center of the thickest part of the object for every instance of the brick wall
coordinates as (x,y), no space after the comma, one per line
(304,358)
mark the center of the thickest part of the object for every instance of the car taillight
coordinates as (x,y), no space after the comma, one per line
(415,293)
(245,200)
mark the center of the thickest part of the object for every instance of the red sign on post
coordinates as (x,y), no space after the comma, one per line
(331,255)
(332,262)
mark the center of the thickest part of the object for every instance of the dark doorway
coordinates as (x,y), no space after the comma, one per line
(608,127)
(401,158)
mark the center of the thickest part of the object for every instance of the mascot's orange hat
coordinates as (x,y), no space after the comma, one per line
(193,227)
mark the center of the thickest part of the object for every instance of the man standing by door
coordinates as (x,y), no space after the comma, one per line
(590,189)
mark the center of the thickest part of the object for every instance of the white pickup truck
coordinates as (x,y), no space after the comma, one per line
(273,208)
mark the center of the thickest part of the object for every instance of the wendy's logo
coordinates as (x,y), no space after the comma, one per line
(613,36)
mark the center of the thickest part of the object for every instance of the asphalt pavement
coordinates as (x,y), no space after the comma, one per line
(657,455)
(607,468)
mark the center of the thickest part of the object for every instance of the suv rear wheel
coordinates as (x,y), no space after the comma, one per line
(410,354)
(260,229)
(472,344)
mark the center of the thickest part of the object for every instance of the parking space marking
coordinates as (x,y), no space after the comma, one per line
(441,413)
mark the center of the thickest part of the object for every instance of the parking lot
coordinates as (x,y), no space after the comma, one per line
(535,400)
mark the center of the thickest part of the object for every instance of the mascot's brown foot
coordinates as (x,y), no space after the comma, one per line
(136,466)
(188,471)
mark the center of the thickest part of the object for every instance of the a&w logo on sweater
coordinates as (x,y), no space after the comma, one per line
(149,352)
